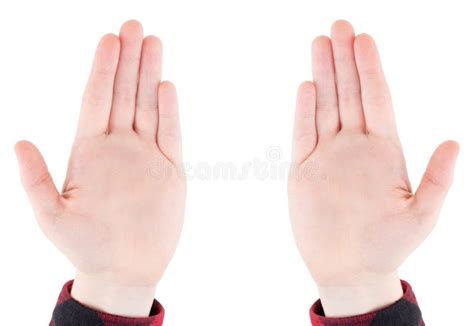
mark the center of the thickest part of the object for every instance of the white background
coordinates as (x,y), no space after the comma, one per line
(237,65)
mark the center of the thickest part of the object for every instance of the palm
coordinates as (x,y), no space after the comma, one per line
(351,204)
(149,193)
(357,182)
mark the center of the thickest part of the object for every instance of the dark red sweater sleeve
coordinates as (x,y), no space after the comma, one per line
(69,312)
(403,312)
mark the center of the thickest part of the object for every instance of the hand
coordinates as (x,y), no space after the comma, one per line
(354,215)
(120,212)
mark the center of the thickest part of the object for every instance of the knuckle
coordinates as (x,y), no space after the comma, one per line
(305,137)
(95,99)
(125,94)
(379,99)
(169,135)
(349,92)
(104,72)
(147,105)
(435,180)
(39,179)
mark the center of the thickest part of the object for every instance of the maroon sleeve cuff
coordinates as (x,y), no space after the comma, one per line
(403,312)
(69,312)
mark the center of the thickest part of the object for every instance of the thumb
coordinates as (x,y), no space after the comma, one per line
(37,182)
(438,177)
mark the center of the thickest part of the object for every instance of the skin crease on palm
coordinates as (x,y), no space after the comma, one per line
(120,212)
(355,217)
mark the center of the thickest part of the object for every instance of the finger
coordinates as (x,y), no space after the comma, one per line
(169,130)
(38,183)
(304,130)
(437,179)
(97,100)
(146,114)
(327,115)
(126,80)
(347,79)
(376,100)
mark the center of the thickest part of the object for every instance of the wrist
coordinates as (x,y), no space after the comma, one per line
(99,293)
(360,297)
